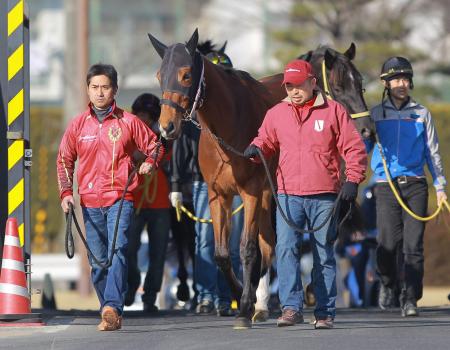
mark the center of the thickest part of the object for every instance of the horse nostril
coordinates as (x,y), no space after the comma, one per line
(170,128)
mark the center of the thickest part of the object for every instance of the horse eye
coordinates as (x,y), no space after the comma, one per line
(187,76)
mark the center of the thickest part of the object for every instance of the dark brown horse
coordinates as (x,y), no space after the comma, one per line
(233,106)
(338,78)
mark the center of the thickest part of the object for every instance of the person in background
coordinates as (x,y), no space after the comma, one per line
(103,139)
(152,211)
(409,141)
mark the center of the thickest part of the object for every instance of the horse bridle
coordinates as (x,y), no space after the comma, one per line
(187,113)
(327,90)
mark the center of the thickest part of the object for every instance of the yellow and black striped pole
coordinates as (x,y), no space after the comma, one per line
(17,120)
(15,113)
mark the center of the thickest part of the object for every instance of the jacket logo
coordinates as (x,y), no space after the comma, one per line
(114,133)
(87,138)
(318,125)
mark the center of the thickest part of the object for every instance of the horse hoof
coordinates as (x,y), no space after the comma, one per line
(310,298)
(260,316)
(242,323)
(183,292)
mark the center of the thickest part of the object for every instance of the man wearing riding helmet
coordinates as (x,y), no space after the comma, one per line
(409,140)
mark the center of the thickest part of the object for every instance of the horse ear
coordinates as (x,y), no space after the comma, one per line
(329,58)
(192,43)
(306,56)
(158,45)
(350,53)
(222,49)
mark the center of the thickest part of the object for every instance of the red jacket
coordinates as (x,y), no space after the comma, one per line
(104,152)
(311,142)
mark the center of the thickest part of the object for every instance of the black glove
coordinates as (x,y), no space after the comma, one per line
(251,151)
(349,191)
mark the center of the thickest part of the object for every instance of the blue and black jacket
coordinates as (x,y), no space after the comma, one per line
(409,139)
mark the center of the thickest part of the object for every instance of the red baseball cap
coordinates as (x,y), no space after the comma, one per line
(297,71)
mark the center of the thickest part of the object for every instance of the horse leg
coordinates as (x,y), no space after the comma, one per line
(251,261)
(266,239)
(266,232)
(220,209)
(178,237)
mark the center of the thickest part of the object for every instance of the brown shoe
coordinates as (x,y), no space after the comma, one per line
(111,321)
(324,323)
(289,317)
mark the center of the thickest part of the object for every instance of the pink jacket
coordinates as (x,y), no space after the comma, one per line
(311,147)
(104,153)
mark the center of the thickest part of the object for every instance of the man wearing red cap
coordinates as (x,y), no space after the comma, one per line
(311,135)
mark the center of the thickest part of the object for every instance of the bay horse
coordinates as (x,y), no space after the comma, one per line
(231,106)
(184,231)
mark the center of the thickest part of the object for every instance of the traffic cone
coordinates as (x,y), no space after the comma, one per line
(14,296)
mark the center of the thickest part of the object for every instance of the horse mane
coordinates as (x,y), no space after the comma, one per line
(248,81)
(206,47)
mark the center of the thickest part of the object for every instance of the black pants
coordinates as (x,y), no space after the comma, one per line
(396,227)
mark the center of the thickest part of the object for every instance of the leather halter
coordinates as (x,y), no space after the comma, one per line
(327,90)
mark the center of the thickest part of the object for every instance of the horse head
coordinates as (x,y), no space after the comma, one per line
(341,81)
(180,77)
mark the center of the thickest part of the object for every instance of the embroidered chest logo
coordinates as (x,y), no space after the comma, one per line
(114,133)
(318,125)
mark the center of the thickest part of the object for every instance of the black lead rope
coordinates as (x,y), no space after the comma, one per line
(70,216)
(291,224)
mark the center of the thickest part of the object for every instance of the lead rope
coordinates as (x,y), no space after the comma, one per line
(399,198)
(301,230)
(70,216)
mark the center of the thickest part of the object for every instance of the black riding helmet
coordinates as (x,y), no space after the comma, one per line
(396,66)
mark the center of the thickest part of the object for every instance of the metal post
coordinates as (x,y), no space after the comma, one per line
(15,135)
(3,126)
(28,151)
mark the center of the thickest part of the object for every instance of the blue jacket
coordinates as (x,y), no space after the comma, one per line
(409,139)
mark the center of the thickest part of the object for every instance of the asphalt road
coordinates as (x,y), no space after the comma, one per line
(354,329)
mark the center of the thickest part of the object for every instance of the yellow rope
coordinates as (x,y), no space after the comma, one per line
(326,88)
(182,208)
(145,189)
(399,199)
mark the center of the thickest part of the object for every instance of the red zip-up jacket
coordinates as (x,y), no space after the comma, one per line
(311,142)
(104,152)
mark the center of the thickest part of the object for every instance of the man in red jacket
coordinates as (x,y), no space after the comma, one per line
(311,134)
(103,139)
